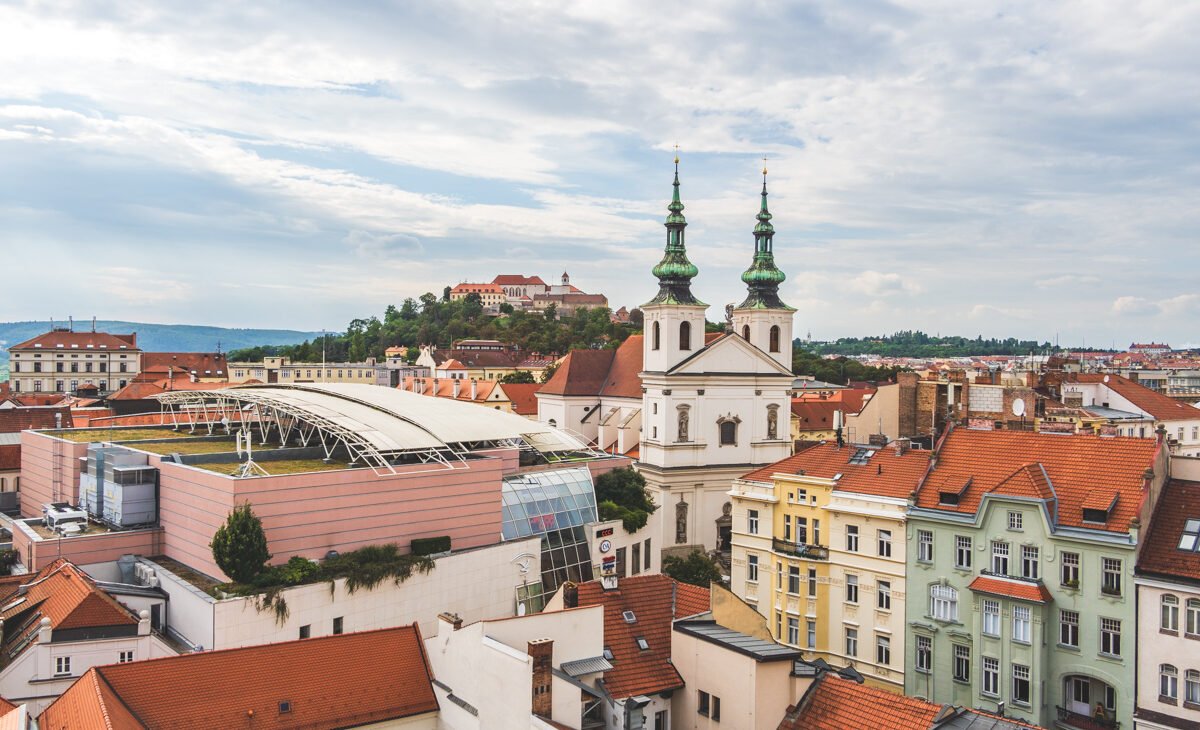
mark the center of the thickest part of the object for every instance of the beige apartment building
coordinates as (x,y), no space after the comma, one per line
(60,361)
(283,370)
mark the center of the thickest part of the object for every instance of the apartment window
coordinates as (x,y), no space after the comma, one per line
(1070,570)
(794,580)
(851,538)
(1190,539)
(1022,624)
(851,589)
(943,603)
(924,546)
(802,530)
(716,709)
(779,626)
(752,521)
(1110,576)
(74,367)
(37,386)
(58,386)
(816,533)
(991,617)
(1193,616)
(962,663)
(851,642)
(1191,687)
(751,568)
(812,634)
(924,654)
(660,721)
(125,657)
(1029,562)
(1015,520)
(779,576)
(62,665)
(1169,618)
(787,528)
(709,706)
(885,543)
(704,699)
(1168,682)
(1110,636)
(883,650)
(305,631)
(1068,628)
(635,557)
(999,557)
(646,553)
(812,582)
(337,625)
(991,676)
(1020,689)
(883,595)
(793,631)
(37,367)
(962,551)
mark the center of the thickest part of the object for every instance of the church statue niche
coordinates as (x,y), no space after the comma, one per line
(683,424)
(681,509)
(772,421)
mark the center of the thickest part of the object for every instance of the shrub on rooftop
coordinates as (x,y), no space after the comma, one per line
(697,569)
(622,495)
(239,546)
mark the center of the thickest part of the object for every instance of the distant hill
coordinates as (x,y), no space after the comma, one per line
(159,337)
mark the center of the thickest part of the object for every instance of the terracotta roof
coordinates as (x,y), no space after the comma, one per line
(20,418)
(476,289)
(1009,588)
(1030,480)
(156,365)
(481,358)
(445,388)
(523,397)
(973,463)
(330,682)
(649,597)
(517,280)
(10,457)
(814,415)
(850,399)
(1161,555)
(623,380)
(1161,407)
(884,474)
(834,703)
(79,341)
(582,372)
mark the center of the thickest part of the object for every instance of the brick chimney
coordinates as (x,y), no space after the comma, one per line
(453,619)
(541,651)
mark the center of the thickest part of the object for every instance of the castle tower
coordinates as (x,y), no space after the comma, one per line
(762,318)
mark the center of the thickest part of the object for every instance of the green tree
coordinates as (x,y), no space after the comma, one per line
(621,494)
(697,569)
(520,376)
(239,546)
(549,372)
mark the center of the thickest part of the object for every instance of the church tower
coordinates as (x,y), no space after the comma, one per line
(762,318)
(674,319)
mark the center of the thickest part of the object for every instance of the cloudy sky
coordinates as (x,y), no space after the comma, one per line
(1016,169)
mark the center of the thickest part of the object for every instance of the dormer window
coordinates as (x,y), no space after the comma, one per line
(1098,507)
(1190,540)
(1099,516)
(952,498)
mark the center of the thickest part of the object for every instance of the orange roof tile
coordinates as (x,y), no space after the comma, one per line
(523,397)
(884,474)
(1080,467)
(1161,407)
(582,372)
(650,598)
(623,380)
(1010,588)
(1161,554)
(834,703)
(79,341)
(363,678)
(517,280)
(1030,480)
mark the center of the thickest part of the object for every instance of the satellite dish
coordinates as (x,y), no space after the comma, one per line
(1018,407)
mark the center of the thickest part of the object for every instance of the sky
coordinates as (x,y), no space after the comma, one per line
(1024,169)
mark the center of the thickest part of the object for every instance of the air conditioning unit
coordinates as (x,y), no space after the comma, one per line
(153,581)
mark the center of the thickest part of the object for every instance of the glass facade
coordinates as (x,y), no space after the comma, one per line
(553,505)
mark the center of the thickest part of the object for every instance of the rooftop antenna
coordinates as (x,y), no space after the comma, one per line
(93,324)
(248,468)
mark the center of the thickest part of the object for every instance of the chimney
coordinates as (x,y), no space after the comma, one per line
(902,446)
(457,386)
(541,651)
(143,623)
(474,388)
(71,322)
(435,387)
(453,619)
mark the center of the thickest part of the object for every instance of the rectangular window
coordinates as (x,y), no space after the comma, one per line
(1015,520)
(751,568)
(125,657)
(1110,576)
(801,530)
(883,650)
(305,631)
(924,546)
(852,589)
(883,595)
(1020,691)
(924,662)
(794,580)
(62,665)
(793,631)
(337,625)
(779,626)
(787,528)
(999,557)
(1070,570)
(991,617)
(1169,613)
(852,642)
(646,553)
(752,521)
(716,709)
(812,582)
(660,721)
(636,558)
(812,634)
(1068,628)
(962,663)
(991,676)
(704,703)
(816,533)
(1022,623)
(1110,636)
(943,603)
(779,576)
(1191,686)
(962,551)
(885,543)
(851,538)
(1029,562)
(1193,616)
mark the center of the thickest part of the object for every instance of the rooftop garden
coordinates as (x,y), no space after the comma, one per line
(621,494)
(275,468)
(89,435)
(196,446)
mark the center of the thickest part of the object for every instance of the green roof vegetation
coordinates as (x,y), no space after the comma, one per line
(189,447)
(91,435)
(275,468)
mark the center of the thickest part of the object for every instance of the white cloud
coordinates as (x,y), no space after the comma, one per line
(880,284)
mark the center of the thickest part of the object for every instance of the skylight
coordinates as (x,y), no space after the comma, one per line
(608,654)
(642,643)
(629,617)
(1190,540)
(861,455)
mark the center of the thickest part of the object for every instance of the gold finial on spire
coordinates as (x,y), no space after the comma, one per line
(676,153)
(764,166)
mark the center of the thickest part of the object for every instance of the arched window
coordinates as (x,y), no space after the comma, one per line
(1193,616)
(1191,686)
(1168,682)
(774,338)
(943,602)
(685,335)
(654,336)
(1169,615)
(728,433)
(746,332)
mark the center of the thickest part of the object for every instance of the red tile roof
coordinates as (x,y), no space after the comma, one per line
(13,420)
(1178,503)
(476,289)
(884,474)
(622,380)
(517,280)
(814,415)
(444,388)
(582,372)
(10,457)
(1159,406)
(1029,480)
(834,703)
(331,682)
(974,463)
(1009,588)
(158,365)
(650,598)
(79,341)
(523,397)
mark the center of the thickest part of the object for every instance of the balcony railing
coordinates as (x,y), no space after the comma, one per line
(1081,721)
(800,550)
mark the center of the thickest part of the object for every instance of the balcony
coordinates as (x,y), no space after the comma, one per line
(799,550)
(1080,721)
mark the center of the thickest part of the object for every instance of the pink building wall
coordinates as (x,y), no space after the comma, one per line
(82,550)
(37,470)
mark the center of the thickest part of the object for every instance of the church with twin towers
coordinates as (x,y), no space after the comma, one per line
(694,410)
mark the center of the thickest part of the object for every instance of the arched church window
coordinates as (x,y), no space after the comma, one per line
(685,335)
(728,433)
(654,336)
(774,338)
(746,332)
